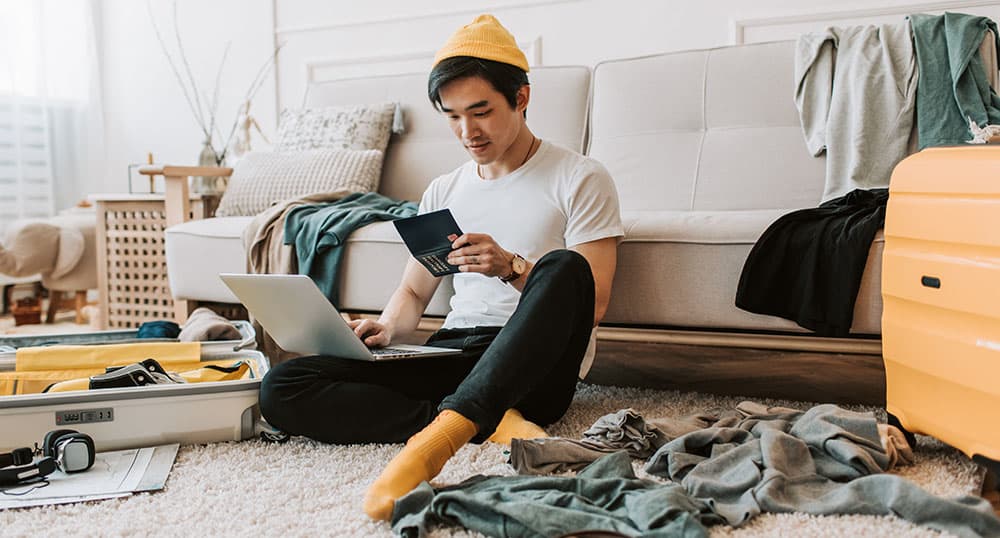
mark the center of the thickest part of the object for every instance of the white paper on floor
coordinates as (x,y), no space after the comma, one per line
(114,474)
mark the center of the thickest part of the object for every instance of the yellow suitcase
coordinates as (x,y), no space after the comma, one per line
(941,294)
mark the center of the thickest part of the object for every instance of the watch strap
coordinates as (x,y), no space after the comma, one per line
(513,275)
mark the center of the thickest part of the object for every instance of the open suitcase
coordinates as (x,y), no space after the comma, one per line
(941,294)
(132,417)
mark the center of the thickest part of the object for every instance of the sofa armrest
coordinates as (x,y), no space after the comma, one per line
(177,204)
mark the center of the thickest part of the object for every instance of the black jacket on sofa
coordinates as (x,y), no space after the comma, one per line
(807,266)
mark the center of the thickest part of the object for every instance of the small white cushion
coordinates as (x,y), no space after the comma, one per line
(262,179)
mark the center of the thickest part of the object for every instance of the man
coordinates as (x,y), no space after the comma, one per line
(534,280)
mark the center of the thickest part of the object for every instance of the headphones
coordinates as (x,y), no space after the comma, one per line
(67,450)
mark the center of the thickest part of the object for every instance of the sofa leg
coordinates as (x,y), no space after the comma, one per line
(81,301)
(55,297)
(8,292)
(181,311)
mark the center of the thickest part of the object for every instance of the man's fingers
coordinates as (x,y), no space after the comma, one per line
(474,268)
(476,259)
(460,241)
(470,239)
(376,340)
(363,327)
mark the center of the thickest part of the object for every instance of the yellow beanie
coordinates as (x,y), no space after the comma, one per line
(483,38)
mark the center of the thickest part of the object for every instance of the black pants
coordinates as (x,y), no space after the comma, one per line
(531,364)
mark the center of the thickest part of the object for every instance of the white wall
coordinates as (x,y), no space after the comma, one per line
(145,110)
(143,105)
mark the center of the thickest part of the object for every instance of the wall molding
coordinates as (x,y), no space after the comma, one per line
(532,49)
(738,27)
(284,30)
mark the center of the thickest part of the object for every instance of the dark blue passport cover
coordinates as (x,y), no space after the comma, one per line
(427,238)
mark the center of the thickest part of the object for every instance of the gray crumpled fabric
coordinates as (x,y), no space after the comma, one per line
(604,496)
(627,430)
(622,430)
(204,324)
(754,459)
(826,460)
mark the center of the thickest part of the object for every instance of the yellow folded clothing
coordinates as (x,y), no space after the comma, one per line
(48,358)
(40,367)
(205,374)
(211,372)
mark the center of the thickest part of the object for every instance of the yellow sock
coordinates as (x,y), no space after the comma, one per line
(515,426)
(422,459)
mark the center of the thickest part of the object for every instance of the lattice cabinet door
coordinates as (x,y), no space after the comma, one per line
(132,277)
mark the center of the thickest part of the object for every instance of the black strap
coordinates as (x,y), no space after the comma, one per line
(19,456)
(15,475)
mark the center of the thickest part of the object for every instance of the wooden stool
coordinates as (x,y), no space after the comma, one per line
(59,300)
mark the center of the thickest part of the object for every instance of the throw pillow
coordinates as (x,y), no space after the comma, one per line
(261,179)
(335,127)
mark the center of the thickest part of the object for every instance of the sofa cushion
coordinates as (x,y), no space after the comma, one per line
(198,250)
(374,257)
(704,130)
(262,179)
(335,127)
(681,269)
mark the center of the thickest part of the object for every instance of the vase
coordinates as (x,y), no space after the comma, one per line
(208,184)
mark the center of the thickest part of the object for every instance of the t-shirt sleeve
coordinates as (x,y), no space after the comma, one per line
(430,199)
(593,212)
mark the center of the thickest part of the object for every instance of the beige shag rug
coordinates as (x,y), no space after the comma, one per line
(303,488)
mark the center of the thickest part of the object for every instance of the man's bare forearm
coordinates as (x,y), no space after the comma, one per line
(403,312)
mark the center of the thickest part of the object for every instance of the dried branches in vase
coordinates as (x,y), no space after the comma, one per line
(204,107)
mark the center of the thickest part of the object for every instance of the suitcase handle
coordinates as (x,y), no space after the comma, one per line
(249,340)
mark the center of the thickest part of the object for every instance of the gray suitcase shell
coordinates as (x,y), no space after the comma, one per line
(137,416)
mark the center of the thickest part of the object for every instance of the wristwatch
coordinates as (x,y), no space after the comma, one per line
(518,265)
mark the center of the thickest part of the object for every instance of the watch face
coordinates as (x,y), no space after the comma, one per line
(518,264)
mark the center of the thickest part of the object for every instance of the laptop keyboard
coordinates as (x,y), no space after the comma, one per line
(389,351)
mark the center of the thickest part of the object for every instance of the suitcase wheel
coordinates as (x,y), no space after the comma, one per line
(992,480)
(910,438)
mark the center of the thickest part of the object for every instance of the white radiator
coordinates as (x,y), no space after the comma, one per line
(25,160)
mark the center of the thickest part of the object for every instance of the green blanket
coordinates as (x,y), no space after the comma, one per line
(954,98)
(320,231)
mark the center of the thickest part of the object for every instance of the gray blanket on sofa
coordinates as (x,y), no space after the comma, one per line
(855,89)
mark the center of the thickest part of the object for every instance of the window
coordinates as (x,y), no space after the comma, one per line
(48,78)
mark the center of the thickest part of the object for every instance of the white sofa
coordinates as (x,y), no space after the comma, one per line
(706,150)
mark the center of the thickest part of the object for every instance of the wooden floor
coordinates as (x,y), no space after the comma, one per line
(811,377)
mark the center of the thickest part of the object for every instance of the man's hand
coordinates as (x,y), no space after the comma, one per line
(479,253)
(372,333)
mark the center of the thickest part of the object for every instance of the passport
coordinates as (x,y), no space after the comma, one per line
(427,238)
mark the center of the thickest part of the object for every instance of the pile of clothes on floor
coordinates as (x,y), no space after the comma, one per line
(718,468)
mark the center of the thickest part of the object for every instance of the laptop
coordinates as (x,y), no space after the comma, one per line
(299,317)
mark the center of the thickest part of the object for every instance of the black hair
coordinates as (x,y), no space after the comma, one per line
(505,78)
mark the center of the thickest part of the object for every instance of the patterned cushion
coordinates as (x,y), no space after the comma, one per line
(335,127)
(261,179)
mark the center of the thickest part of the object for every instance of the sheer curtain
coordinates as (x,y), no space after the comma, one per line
(51,121)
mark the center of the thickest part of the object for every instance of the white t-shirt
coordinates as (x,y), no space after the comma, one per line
(558,199)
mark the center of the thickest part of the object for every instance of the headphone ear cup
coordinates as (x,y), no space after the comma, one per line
(74,463)
(49,444)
